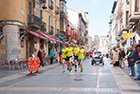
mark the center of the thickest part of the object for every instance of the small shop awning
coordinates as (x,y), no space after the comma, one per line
(36,34)
(123,41)
(52,40)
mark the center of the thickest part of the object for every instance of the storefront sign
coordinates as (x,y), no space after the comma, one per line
(126,35)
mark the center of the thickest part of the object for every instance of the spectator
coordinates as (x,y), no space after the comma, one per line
(116,57)
(136,58)
(127,54)
(52,56)
(39,54)
(121,57)
(131,62)
(111,55)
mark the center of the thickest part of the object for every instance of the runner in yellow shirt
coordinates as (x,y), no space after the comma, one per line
(64,57)
(69,52)
(81,54)
(76,50)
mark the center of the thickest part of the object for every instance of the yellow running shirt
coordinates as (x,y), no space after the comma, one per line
(76,50)
(63,53)
(69,51)
(81,54)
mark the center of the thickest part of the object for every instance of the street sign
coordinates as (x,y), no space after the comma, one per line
(126,35)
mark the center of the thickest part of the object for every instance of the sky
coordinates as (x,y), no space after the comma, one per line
(99,14)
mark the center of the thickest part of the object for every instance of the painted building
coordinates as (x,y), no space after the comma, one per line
(26,26)
(103,44)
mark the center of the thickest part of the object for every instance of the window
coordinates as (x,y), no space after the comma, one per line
(137,7)
(55,26)
(30,8)
(49,23)
(41,15)
(55,4)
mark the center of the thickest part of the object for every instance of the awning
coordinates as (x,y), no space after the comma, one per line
(36,34)
(52,40)
(123,41)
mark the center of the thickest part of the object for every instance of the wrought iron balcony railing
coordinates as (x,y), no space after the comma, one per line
(43,26)
(34,21)
(51,4)
(51,32)
(57,10)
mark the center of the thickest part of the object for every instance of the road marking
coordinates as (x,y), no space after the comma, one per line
(18,75)
(60,89)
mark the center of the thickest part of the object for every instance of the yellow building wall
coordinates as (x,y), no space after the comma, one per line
(13,10)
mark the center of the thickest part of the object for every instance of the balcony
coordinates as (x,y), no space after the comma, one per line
(51,4)
(51,32)
(43,26)
(34,21)
(62,33)
(57,10)
(42,1)
(57,33)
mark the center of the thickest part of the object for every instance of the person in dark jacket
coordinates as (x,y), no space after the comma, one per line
(121,57)
(39,54)
(136,58)
(131,62)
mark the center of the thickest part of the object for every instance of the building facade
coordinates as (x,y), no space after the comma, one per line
(28,26)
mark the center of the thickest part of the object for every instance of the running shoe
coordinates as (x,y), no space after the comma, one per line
(70,71)
(67,68)
(81,71)
(76,70)
(63,71)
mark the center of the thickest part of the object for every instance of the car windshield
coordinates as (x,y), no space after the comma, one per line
(97,53)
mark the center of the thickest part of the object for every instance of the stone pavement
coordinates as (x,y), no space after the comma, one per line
(95,79)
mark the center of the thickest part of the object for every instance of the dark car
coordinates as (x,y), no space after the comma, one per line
(97,57)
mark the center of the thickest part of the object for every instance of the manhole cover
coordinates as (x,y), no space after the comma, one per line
(77,79)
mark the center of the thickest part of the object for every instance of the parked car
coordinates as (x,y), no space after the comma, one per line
(97,57)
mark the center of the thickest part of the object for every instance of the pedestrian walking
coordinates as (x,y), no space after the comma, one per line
(76,50)
(121,57)
(136,58)
(116,57)
(52,56)
(81,55)
(69,53)
(131,62)
(39,54)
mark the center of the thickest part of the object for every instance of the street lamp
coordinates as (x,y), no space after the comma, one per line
(44,7)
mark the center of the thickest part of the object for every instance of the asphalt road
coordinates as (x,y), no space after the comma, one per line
(96,79)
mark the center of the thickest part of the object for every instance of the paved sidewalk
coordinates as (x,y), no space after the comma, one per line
(95,79)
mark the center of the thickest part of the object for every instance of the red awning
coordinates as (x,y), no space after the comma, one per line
(52,40)
(123,41)
(36,34)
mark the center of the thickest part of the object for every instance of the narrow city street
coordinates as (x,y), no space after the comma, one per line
(97,79)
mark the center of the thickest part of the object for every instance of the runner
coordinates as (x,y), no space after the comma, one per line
(76,50)
(64,57)
(81,54)
(69,52)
